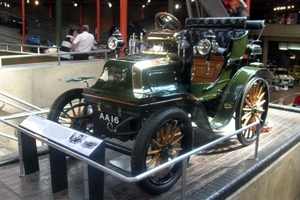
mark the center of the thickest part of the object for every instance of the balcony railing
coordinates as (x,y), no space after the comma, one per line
(26,54)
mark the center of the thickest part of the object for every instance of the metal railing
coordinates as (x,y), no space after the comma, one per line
(25,110)
(26,46)
(38,54)
(121,177)
(283,107)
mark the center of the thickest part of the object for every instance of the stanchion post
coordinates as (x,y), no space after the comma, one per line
(257,141)
(183,178)
(58,167)
(21,162)
(86,181)
(29,151)
(96,176)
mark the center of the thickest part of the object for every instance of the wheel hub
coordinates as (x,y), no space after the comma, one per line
(254,110)
(167,152)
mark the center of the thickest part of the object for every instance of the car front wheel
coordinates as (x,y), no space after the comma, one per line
(167,134)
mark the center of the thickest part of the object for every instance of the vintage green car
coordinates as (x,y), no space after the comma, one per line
(195,75)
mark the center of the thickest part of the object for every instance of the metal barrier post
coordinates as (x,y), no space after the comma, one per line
(257,142)
(183,178)
(58,168)
(30,156)
(96,176)
(21,162)
(86,181)
(58,57)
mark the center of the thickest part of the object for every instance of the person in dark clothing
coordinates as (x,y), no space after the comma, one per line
(66,45)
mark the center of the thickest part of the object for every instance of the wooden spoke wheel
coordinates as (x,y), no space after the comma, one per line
(165,135)
(253,107)
(70,110)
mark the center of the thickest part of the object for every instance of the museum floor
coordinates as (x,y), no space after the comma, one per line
(204,169)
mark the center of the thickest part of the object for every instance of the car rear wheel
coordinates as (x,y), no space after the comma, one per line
(252,107)
(70,110)
(167,134)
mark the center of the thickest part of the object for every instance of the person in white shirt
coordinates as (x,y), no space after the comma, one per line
(83,42)
(66,45)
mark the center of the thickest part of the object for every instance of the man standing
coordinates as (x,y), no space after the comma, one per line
(83,42)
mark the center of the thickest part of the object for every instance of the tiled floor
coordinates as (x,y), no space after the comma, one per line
(202,168)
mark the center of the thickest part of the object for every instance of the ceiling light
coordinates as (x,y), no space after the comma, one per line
(294,46)
(36,2)
(75,4)
(288,46)
(284,7)
(282,46)
(147,2)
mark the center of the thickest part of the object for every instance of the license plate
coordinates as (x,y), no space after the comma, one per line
(110,118)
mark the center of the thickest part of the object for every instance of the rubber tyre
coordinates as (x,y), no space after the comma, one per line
(252,107)
(164,122)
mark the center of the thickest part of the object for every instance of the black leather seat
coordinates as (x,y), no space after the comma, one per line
(215,22)
(224,29)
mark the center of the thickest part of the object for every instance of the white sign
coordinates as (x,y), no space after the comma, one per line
(77,141)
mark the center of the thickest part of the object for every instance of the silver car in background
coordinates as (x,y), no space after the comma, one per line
(284,79)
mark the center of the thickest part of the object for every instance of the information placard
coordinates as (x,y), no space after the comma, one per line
(75,140)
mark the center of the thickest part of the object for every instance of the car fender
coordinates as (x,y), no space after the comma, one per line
(234,92)
(197,111)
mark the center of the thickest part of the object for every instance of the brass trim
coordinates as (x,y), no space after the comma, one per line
(131,104)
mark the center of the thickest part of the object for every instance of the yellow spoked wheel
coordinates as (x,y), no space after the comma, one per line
(165,135)
(253,107)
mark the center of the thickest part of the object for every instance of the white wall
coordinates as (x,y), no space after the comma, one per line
(39,84)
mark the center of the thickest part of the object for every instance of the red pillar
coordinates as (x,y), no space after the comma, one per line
(248,5)
(80,16)
(98,21)
(111,17)
(142,13)
(123,23)
(23,25)
(50,11)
